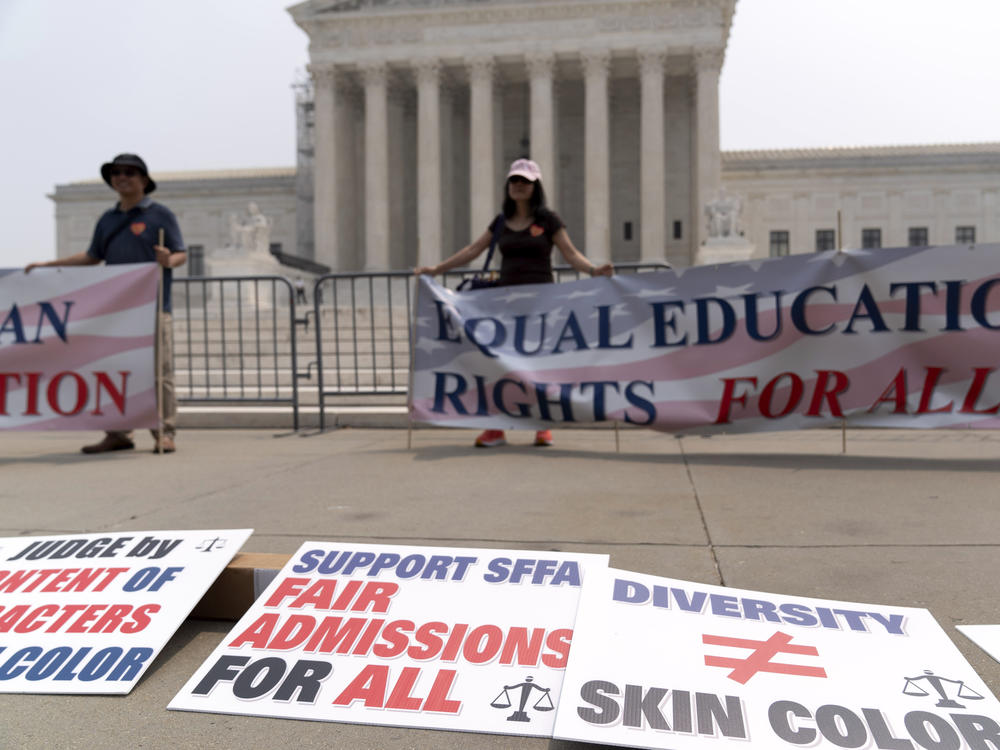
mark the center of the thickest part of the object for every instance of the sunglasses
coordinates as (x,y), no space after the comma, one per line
(125,172)
(518,180)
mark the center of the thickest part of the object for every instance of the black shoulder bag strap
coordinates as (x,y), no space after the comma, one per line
(497,231)
(481,279)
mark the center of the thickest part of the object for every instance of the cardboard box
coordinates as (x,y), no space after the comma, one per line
(236,588)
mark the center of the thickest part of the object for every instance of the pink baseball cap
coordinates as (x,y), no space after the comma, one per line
(525,168)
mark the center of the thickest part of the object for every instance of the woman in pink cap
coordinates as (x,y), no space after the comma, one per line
(525,243)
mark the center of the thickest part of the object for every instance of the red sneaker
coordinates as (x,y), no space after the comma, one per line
(543,437)
(491,439)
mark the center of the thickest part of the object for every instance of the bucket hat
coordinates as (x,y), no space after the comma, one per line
(128,160)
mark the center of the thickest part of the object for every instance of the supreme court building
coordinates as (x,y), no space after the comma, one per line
(414,109)
(420,105)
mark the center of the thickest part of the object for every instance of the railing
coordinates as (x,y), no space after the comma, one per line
(237,337)
(452,279)
(362,334)
(362,326)
(235,340)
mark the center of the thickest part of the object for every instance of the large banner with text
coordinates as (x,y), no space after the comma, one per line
(77,347)
(897,337)
(662,663)
(87,613)
(475,640)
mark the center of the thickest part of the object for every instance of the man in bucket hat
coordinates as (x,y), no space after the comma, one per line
(129,233)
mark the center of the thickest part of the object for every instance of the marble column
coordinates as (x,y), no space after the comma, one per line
(652,158)
(758,236)
(802,239)
(850,233)
(376,167)
(943,231)
(707,159)
(989,232)
(451,215)
(498,155)
(597,157)
(325,167)
(402,121)
(542,126)
(482,180)
(349,125)
(895,235)
(429,237)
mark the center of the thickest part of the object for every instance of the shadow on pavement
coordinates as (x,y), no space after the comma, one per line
(810,461)
(67,459)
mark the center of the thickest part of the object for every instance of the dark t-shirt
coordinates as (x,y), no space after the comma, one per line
(134,243)
(527,254)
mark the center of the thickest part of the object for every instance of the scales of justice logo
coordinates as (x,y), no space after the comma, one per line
(543,703)
(212,544)
(946,689)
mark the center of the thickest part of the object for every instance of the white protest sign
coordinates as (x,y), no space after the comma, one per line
(429,637)
(987,637)
(87,613)
(661,663)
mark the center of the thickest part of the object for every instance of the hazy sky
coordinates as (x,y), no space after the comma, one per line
(206,84)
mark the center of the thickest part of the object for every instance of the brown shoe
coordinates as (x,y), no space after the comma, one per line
(165,444)
(111,442)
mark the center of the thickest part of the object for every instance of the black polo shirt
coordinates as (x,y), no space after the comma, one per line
(133,243)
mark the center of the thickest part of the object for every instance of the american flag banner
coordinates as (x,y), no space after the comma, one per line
(77,347)
(895,337)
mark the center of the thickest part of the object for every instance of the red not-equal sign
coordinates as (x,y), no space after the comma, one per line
(760,659)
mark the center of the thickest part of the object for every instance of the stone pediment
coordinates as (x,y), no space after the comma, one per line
(341,32)
(345,6)
(324,7)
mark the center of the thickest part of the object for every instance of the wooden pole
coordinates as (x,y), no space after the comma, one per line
(840,249)
(159,357)
(412,332)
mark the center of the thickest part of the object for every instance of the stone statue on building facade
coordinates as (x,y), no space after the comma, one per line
(247,254)
(725,242)
(251,233)
(723,214)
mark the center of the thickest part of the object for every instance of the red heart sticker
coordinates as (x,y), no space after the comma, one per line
(536,230)
(138,228)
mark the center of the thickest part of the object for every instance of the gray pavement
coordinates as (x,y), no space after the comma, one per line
(904,517)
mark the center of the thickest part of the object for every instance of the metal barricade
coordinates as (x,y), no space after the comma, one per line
(235,340)
(362,326)
(363,333)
